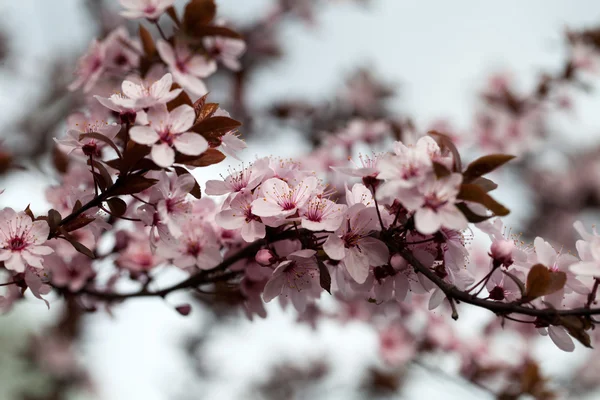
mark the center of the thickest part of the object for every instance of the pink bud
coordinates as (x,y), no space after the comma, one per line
(184,309)
(501,251)
(398,262)
(265,257)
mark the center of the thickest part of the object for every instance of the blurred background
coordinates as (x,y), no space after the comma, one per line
(309,69)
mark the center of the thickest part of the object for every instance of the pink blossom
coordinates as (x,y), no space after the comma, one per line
(138,256)
(73,275)
(80,124)
(558,261)
(501,287)
(242,181)
(90,67)
(231,144)
(589,252)
(352,243)
(559,336)
(122,53)
(296,278)
(434,204)
(265,257)
(320,213)
(186,67)
(168,130)
(150,9)
(169,198)
(36,279)
(240,215)
(396,346)
(226,50)
(147,94)
(280,200)
(21,240)
(197,246)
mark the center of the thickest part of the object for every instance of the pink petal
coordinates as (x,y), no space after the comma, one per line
(357,265)
(586,268)
(132,90)
(166,52)
(182,118)
(163,155)
(143,135)
(334,247)
(216,188)
(191,144)
(158,115)
(561,338)
(253,230)
(273,287)
(161,87)
(427,221)
(230,219)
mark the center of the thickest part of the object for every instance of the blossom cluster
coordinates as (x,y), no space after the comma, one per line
(399,230)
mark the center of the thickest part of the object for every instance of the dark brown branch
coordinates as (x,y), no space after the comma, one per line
(452,292)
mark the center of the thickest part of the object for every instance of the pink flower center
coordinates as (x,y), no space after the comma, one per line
(150,9)
(194,248)
(434,202)
(166,137)
(17,244)
(351,239)
(181,66)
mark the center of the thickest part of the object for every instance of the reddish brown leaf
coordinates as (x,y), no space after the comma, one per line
(78,223)
(134,184)
(485,165)
(470,215)
(324,276)
(209,157)
(577,326)
(54,219)
(440,170)
(213,30)
(117,206)
(147,41)
(215,126)
(485,184)
(60,160)
(541,282)
(206,111)
(474,193)
(197,14)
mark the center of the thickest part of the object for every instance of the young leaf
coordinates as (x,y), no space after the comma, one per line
(134,184)
(198,13)
(54,219)
(474,193)
(440,170)
(470,215)
(78,223)
(147,41)
(541,282)
(209,157)
(117,206)
(206,111)
(216,125)
(82,249)
(485,165)
(324,276)
(172,13)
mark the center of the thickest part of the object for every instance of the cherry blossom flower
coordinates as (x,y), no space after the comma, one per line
(36,279)
(197,246)
(557,261)
(231,144)
(80,124)
(122,53)
(503,288)
(434,205)
(169,198)
(168,130)
(21,240)
(187,68)
(73,275)
(226,50)
(589,252)
(150,9)
(559,336)
(145,94)
(138,255)
(240,215)
(280,200)
(242,181)
(320,213)
(296,278)
(90,67)
(396,345)
(352,243)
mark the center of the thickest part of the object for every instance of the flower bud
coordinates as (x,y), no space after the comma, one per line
(501,251)
(265,257)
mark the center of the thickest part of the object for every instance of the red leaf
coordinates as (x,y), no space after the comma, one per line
(485,165)
(541,282)
(147,41)
(474,193)
(209,157)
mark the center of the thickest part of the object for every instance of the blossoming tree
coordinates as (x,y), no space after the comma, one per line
(389,234)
